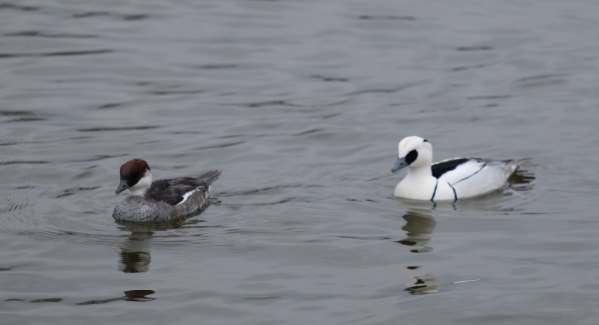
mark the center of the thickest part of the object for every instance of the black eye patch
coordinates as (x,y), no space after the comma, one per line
(411,156)
(133,177)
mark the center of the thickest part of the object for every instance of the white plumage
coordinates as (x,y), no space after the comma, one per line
(447,180)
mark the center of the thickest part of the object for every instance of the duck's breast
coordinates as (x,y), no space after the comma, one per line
(416,188)
(139,210)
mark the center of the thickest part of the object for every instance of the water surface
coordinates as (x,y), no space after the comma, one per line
(301,104)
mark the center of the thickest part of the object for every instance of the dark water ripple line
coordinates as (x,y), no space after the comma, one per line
(468,67)
(12,143)
(35,301)
(488,97)
(79,15)
(99,238)
(257,204)
(23,162)
(267,103)
(12,6)
(265,190)
(118,128)
(541,77)
(26,119)
(21,116)
(217,66)
(24,187)
(329,79)
(125,17)
(7,144)
(42,34)
(385,90)
(196,132)
(541,80)
(177,92)
(75,190)
(472,48)
(58,53)
(96,158)
(386,17)
(109,105)
(129,295)
(16,113)
(307,132)
(374,237)
(221,145)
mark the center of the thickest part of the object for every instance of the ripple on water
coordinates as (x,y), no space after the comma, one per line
(17,7)
(541,80)
(23,162)
(386,17)
(389,90)
(21,116)
(75,190)
(118,128)
(45,34)
(302,116)
(140,295)
(6,55)
(113,15)
(472,48)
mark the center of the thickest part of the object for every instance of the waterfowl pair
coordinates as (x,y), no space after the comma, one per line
(172,200)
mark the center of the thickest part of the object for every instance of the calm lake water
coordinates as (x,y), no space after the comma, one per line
(301,104)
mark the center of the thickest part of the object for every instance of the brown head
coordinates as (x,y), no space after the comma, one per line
(132,172)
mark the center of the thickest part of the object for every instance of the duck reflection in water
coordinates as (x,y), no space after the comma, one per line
(420,225)
(135,254)
(419,230)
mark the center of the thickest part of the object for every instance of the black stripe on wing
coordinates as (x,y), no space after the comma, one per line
(443,167)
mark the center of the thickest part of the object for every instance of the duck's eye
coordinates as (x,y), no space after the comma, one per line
(425,140)
(411,156)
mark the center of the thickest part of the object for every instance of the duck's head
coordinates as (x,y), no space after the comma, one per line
(135,177)
(413,152)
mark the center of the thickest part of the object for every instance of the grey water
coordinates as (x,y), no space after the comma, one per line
(301,105)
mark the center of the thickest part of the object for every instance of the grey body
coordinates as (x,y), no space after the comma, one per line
(152,208)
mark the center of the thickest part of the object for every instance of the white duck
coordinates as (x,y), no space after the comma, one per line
(447,180)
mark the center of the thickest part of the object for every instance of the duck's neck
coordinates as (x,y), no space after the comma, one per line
(420,172)
(142,185)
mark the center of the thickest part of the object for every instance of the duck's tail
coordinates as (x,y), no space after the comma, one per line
(511,165)
(209,177)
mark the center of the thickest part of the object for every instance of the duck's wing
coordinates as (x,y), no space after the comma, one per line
(457,169)
(474,176)
(175,190)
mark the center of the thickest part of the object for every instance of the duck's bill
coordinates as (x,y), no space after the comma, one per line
(122,186)
(398,165)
